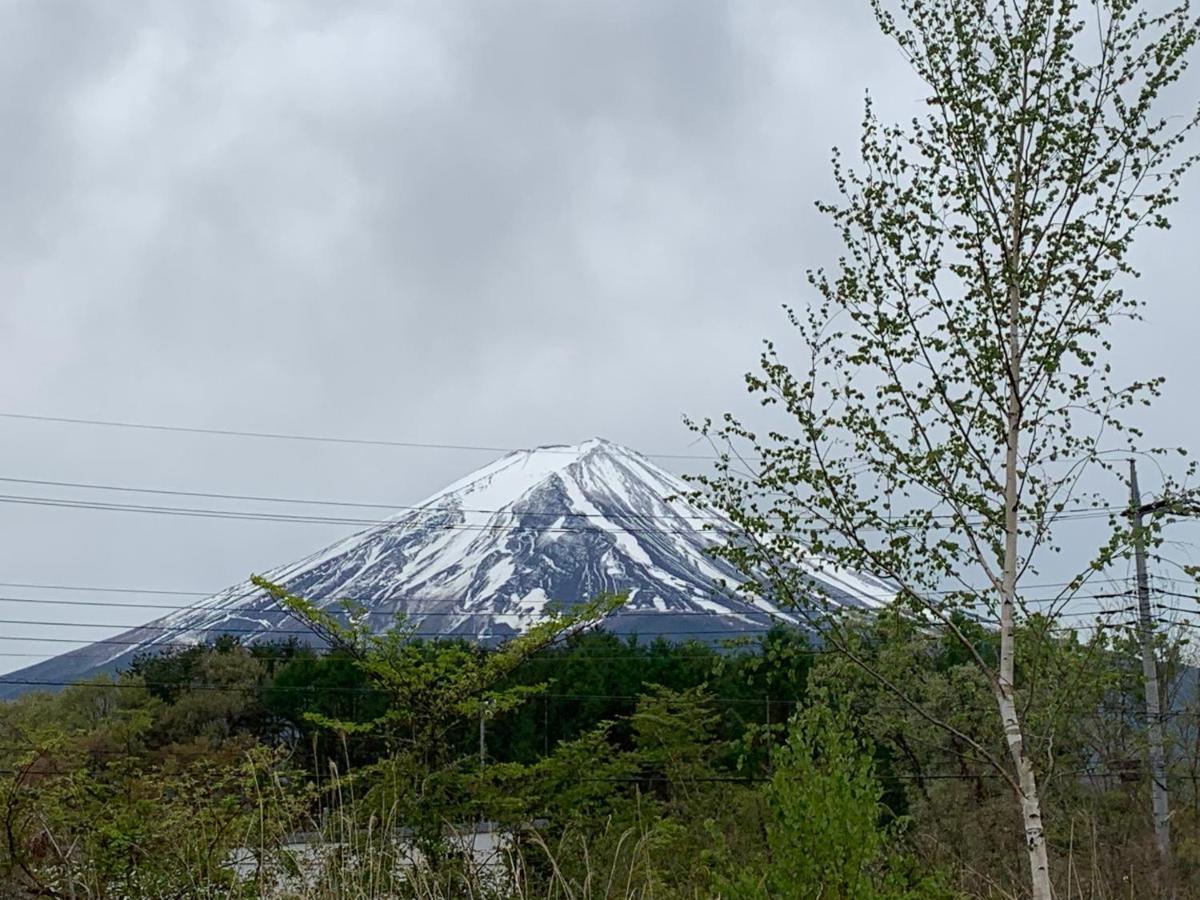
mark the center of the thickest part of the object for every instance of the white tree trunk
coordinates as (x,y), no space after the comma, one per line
(1031,806)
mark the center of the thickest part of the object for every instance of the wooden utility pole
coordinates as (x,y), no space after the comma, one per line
(1158,769)
(482,736)
(770,738)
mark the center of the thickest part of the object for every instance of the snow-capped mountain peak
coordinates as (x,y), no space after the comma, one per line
(484,556)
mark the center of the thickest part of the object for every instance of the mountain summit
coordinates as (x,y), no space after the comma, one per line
(483,557)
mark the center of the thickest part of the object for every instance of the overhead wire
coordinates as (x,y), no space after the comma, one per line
(276,630)
(724,636)
(307,519)
(197,607)
(312,438)
(1073,515)
(749,632)
(467,614)
(1195,596)
(367,522)
(109,589)
(1182,609)
(259,498)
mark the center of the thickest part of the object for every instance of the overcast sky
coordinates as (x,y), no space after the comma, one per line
(501,223)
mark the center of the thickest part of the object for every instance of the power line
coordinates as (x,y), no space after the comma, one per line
(648,655)
(465,614)
(1182,609)
(432,614)
(321,439)
(726,634)
(301,518)
(214,495)
(107,589)
(220,629)
(1195,596)
(169,607)
(1077,515)
(304,518)
(155,645)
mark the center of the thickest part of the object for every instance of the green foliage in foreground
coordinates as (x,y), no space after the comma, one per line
(620,769)
(823,828)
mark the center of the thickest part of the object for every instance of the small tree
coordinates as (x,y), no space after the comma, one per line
(824,828)
(956,388)
(433,689)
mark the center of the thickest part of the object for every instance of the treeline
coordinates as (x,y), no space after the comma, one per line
(619,768)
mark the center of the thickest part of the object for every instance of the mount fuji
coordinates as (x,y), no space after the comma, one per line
(482,558)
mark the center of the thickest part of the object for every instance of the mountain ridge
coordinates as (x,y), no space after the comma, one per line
(483,557)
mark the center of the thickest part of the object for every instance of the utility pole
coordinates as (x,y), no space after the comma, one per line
(1158,769)
(482,736)
(770,739)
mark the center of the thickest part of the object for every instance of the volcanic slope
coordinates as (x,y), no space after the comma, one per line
(483,557)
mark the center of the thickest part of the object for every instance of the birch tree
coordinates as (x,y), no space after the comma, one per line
(955,385)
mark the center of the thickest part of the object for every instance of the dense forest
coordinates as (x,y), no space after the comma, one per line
(611,768)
